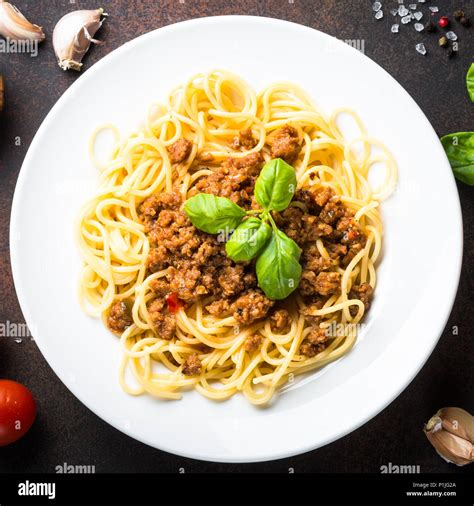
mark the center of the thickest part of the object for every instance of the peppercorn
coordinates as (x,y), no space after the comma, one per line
(430,26)
(459,14)
(465,21)
(443,42)
(451,52)
(443,22)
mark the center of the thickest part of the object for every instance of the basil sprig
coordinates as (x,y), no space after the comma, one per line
(470,82)
(459,146)
(275,186)
(459,149)
(213,214)
(248,239)
(277,267)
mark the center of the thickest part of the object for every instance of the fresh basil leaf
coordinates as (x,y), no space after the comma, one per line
(278,268)
(276,185)
(213,214)
(248,240)
(470,82)
(459,148)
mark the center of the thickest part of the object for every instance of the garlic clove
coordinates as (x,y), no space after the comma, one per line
(457,421)
(454,449)
(451,432)
(73,35)
(14,26)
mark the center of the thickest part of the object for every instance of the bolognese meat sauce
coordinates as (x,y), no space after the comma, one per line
(197,265)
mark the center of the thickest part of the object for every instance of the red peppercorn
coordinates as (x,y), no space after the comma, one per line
(443,22)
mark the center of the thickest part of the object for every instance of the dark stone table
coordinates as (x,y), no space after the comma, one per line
(65,430)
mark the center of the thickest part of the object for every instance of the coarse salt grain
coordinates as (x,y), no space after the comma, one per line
(421,48)
(376,6)
(402,11)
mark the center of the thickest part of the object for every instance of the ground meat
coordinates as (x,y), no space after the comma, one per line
(234,179)
(332,211)
(253,342)
(180,150)
(300,226)
(157,259)
(219,307)
(362,292)
(244,140)
(160,286)
(336,251)
(311,350)
(324,283)
(186,282)
(192,366)
(316,303)
(150,206)
(350,231)
(285,143)
(312,260)
(353,250)
(149,209)
(249,165)
(323,195)
(327,283)
(119,317)
(280,321)
(231,280)
(164,322)
(251,306)
(317,336)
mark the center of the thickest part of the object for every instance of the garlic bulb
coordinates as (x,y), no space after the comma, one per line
(451,432)
(14,26)
(73,35)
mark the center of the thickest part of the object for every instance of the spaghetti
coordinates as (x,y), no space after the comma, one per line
(210,110)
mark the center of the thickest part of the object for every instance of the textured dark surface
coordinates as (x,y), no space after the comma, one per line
(65,430)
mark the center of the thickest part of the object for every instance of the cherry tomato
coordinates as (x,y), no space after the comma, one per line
(17,411)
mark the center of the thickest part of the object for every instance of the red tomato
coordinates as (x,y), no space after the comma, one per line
(174,303)
(17,411)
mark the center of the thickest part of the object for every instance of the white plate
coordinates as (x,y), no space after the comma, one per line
(418,276)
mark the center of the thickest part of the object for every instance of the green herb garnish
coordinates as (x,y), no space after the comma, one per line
(213,214)
(459,148)
(248,239)
(278,268)
(275,186)
(470,82)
